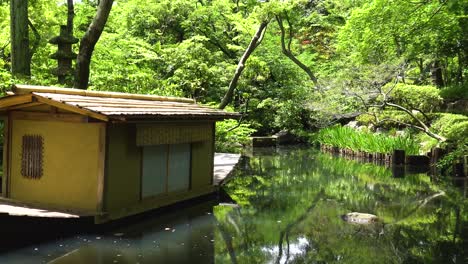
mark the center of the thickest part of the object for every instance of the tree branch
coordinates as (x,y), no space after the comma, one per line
(88,42)
(290,55)
(241,65)
(290,226)
(37,39)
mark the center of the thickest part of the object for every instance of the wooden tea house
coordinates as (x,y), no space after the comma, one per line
(104,154)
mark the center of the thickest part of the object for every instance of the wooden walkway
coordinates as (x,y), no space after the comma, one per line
(224,163)
(16,210)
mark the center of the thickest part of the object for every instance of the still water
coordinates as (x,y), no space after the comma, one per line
(286,206)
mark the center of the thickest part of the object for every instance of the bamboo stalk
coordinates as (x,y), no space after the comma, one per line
(27,89)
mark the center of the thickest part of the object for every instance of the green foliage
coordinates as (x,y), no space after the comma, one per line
(345,137)
(455,92)
(452,126)
(191,49)
(424,98)
(231,137)
(446,163)
(388,119)
(405,32)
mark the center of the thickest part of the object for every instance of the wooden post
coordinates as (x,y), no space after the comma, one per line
(458,169)
(465,165)
(398,171)
(20,53)
(398,157)
(436,155)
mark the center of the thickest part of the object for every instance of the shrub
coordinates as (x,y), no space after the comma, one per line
(455,92)
(452,126)
(446,163)
(426,98)
(391,118)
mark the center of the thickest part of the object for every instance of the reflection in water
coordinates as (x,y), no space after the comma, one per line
(285,206)
(177,237)
(291,203)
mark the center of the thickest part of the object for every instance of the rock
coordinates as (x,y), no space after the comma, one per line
(458,107)
(264,141)
(400,133)
(362,128)
(285,137)
(360,218)
(345,118)
(352,124)
(233,205)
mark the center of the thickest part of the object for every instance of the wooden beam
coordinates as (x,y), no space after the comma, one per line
(15,100)
(71,108)
(101,168)
(6,155)
(21,106)
(38,116)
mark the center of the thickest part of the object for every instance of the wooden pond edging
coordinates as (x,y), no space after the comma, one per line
(398,157)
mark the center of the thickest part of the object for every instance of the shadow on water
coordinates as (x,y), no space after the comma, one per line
(177,234)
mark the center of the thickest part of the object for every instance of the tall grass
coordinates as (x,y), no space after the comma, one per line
(345,137)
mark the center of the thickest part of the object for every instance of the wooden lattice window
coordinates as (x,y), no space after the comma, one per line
(32,156)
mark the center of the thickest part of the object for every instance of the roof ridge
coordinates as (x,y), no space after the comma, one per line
(27,89)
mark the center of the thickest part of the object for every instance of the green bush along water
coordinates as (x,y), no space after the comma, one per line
(346,137)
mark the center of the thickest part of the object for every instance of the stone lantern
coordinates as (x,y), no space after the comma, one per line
(64,54)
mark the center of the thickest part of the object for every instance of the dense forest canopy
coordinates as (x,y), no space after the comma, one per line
(192,48)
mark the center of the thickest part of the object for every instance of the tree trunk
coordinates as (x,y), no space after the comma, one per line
(436,74)
(20,53)
(422,75)
(70,16)
(257,38)
(88,42)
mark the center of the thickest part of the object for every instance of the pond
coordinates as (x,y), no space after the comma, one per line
(286,206)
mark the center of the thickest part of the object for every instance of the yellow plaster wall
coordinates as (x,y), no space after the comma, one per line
(70,167)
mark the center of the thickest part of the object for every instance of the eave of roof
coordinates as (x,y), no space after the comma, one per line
(110,106)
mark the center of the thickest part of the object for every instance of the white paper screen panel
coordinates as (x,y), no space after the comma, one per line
(154,178)
(179,167)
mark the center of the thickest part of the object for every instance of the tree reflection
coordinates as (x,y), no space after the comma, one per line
(421,220)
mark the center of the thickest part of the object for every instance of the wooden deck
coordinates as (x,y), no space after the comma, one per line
(16,210)
(224,163)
